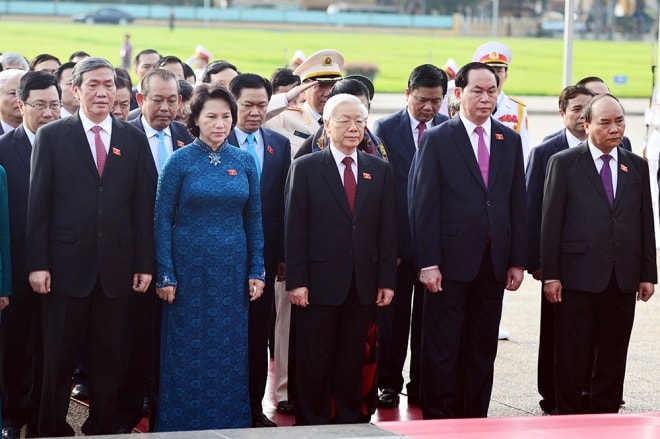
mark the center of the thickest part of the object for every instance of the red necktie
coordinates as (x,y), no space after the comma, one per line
(101,153)
(482,154)
(350,187)
(420,130)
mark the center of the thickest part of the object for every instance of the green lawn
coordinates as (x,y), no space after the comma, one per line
(536,68)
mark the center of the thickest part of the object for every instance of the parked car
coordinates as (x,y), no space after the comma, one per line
(104,15)
(552,25)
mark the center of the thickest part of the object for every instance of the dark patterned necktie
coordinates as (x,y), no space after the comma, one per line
(350,186)
(606,178)
(101,153)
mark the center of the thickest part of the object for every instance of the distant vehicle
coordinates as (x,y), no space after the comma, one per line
(336,8)
(552,25)
(104,15)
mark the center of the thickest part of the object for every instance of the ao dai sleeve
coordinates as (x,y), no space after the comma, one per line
(253,225)
(167,199)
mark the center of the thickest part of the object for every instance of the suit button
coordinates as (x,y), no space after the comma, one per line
(100,188)
(488,203)
(354,227)
(100,211)
(99,234)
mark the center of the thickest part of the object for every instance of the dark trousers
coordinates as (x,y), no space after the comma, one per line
(330,355)
(22,357)
(396,326)
(62,320)
(545,370)
(140,357)
(260,314)
(459,345)
(587,322)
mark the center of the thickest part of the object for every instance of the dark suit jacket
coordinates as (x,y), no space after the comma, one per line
(277,159)
(535,178)
(583,238)
(326,245)
(453,210)
(180,137)
(395,132)
(81,226)
(15,151)
(625,142)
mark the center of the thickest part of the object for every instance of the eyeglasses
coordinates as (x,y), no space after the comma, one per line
(359,123)
(40,106)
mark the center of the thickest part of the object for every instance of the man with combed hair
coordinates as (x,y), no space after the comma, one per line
(10,114)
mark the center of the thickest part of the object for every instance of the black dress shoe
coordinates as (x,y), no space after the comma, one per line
(388,399)
(260,420)
(11,432)
(31,431)
(124,430)
(79,391)
(285,408)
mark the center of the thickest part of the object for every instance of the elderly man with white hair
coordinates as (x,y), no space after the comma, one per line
(10,115)
(340,244)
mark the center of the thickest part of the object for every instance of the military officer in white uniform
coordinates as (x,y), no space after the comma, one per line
(510,111)
(298,123)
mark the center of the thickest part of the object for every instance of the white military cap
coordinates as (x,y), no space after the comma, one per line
(494,54)
(325,65)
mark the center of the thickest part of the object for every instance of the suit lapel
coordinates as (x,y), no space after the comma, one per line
(23,146)
(406,133)
(117,143)
(81,144)
(586,161)
(363,182)
(462,141)
(496,152)
(331,176)
(267,166)
(622,175)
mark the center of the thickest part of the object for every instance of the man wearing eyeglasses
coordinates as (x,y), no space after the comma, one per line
(38,95)
(272,154)
(158,99)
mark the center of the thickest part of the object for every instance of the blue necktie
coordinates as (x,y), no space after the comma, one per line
(162,150)
(253,152)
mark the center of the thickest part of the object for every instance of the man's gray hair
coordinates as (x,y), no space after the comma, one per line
(6,75)
(89,64)
(342,98)
(9,59)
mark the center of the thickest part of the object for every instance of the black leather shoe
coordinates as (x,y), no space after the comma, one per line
(79,391)
(11,433)
(31,431)
(124,430)
(388,399)
(285,408)
(260,420)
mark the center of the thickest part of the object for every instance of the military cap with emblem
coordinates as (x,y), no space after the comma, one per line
(323,66)
(493,53)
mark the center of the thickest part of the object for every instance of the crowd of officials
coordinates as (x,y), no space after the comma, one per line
(156,240)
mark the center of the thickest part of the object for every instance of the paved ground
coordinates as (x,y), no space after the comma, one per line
(514,390)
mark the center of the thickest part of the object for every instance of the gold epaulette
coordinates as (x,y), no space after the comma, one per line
(517,101)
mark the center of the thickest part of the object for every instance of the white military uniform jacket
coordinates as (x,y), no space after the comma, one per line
(513,113)
(296,123)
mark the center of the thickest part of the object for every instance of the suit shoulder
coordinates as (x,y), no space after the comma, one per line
(391,119)
(278,137)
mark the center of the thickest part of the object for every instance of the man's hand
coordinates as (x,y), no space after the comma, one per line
(385,296)
(40,281)
(256,288)
(552,291)
(293,94)
(514,278)
(646,290)
(141,282)
(432,279)
(537,274)
(4,302)
(167,293)
(299,296)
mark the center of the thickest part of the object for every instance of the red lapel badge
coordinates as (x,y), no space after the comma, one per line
(499,136)
(270,150)
(116,151)
(180,143)
(623,167)
(232,172)
(366,176)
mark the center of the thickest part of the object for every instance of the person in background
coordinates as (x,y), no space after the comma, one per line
(186,91)
(69,103)
(145,61)
(10,113)
(126,52)
(13,60)
(220,72)
(122,104)
(78,55)
(209,264)
(45,62)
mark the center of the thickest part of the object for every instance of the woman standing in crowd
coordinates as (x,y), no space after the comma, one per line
(209,252)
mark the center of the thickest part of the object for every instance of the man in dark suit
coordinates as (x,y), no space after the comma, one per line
(89,243)
(401,133)
(145,61)
(341,263)
(470,238)
(39,97)
(597,256)
(158,100)
(272,154)
(572,102)
(10,115)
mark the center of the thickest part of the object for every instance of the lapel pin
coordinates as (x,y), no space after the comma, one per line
(180,143)
(232,172)
(623,167)
(366,176)
(270,150)
(116,151)
(499,136)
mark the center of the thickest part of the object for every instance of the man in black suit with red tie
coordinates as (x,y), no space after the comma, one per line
(340,242)
(159,99)
(89,244)
(471,242)
(598,257)
(572,102)
(272,154)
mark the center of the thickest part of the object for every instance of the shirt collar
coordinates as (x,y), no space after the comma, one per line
(87,124)
(30,135)
(572,140)
(470,126)
(241,136)
(149,131)
(596,153)
(339,156)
